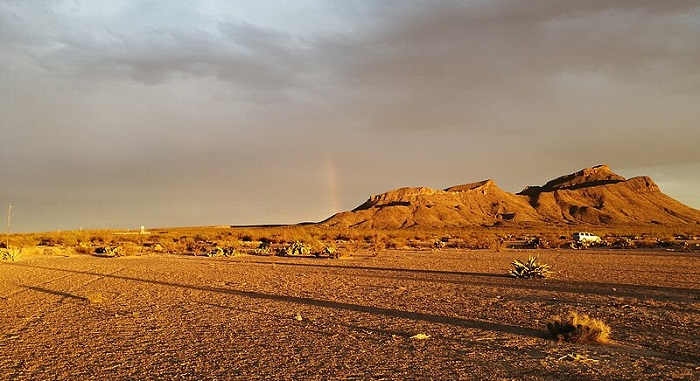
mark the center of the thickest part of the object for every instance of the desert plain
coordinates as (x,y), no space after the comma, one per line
(448,314)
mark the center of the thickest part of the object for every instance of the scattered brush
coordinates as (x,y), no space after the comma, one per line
(108,251)
(329,251)
(296,248)
(498,244)
(529,269)
(219,251)
(264,248)
(578,328)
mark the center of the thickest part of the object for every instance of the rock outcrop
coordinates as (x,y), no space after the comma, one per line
(591,196)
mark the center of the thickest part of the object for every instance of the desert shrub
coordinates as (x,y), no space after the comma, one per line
(188,244)
(585,244)
(343,237)
(129,249)
(124,249)
(578,245)
(264,248)
(376,241)
(578,328)
(109,251)
(293,234)
(645,241)
(665,242)
(34,250)
(198,248)
(155,247)
(97,240)
(216,252)
(48,241)
(83,248)
(20,240)
(352,247)
(296,248)
(498,244)
(201,237)
(457,243)
(622,243)
(415,244)
(483,241)
(370,238)
(529,269)
(165,245)
(219,251)
(72,238)
(536,242)
(420,237)
(10,253)
(395,243)
(555,243)
(330,251)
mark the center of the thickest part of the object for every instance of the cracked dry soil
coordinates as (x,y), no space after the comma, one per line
(165,317)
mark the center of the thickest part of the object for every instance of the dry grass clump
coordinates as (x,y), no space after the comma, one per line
(578,328)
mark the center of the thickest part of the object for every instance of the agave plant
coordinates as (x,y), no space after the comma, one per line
(530,268)
(10,254)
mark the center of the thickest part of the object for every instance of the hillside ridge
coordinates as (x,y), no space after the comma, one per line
(593,195)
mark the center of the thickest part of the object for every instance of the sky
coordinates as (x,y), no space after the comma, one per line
(118,114)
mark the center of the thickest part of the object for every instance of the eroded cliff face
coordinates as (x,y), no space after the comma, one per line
(587,177)
(592,196)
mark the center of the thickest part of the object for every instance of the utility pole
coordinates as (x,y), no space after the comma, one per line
(9,222)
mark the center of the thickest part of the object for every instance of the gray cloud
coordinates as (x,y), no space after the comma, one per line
(208,112)
(462,57)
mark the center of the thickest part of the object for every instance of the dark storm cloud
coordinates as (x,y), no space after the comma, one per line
(153,49)
(256,109)
(454,59)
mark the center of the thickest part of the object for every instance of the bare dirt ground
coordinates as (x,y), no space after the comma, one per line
(255,318)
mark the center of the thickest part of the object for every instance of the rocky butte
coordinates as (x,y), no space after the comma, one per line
(595,196)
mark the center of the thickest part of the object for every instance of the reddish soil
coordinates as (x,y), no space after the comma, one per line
(253,318)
